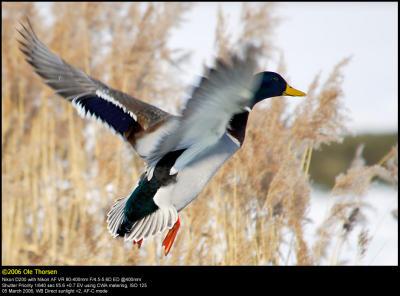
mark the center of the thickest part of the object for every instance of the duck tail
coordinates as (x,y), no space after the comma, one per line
(115,218)
(136,231)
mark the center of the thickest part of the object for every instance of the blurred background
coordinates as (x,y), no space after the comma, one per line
(339,205)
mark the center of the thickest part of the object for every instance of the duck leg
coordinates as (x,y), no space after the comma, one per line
(169,239)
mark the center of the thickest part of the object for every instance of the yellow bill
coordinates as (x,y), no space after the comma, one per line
(290,91)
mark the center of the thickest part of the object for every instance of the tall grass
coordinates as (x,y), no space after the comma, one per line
(61,174)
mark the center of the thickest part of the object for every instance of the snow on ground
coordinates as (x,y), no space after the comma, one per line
(380,201)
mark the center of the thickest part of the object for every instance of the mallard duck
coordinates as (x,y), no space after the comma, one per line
(182,152)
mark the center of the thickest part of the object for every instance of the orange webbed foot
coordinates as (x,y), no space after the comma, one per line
(169,239)
(139,243)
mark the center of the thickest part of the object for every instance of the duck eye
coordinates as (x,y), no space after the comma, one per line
(275,78)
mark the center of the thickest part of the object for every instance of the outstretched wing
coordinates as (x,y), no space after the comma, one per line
(123,114)
(226,90)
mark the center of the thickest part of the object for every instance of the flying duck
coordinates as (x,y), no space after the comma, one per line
(182,152)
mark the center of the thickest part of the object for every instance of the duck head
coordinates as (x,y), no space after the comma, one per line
(272,84)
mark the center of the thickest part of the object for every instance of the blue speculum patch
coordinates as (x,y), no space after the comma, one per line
(108,112)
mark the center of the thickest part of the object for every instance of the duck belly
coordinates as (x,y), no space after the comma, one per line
(191,180)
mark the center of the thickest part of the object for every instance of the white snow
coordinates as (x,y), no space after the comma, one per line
(378,219)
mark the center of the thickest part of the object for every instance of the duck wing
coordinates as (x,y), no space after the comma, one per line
(123,114)
(226,89)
